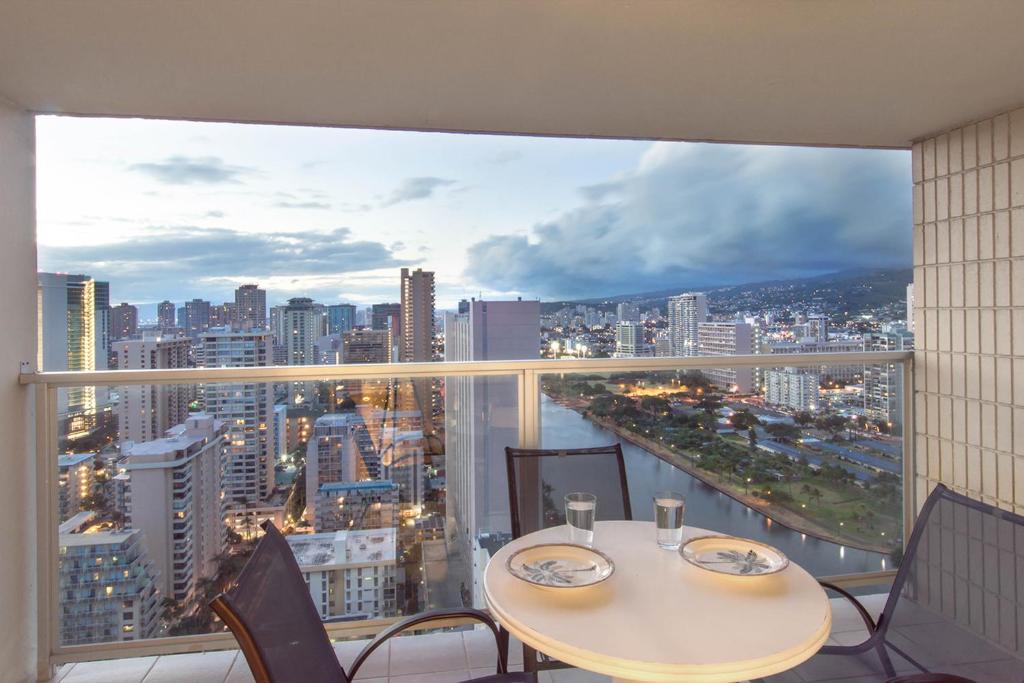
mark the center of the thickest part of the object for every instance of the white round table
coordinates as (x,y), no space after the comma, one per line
(659,618)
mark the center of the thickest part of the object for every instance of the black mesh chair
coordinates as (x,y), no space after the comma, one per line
(538,481)
(955,611)
(273,618)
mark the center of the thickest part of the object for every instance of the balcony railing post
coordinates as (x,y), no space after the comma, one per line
(530,437)
(909,427)
(46,528)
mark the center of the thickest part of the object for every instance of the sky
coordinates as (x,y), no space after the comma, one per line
(177,210)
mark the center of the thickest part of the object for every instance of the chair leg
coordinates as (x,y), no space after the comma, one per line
(529,659)
(886,662)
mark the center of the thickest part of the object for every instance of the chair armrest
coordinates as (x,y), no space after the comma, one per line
(868,620)
(434,615)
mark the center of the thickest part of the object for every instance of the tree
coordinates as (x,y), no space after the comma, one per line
(782,431)
(803,418)
(745,420)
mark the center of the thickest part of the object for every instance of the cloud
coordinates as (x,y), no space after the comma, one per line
(174,260)
(505,156)
(182,170)
(702,215)
(420,187)
(214,214)
(302,205)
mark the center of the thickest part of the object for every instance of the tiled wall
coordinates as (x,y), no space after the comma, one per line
(969,310)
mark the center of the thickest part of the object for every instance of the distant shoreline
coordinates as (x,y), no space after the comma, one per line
(776,514)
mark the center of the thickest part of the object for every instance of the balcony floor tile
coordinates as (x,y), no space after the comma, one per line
(377,666)
(431,653)
(111,671)
(437,677)
(202,667)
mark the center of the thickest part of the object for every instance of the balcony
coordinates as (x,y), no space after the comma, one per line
(934,78)
(538,405)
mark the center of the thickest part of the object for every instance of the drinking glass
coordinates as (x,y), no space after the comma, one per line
(669,507)
(580,510)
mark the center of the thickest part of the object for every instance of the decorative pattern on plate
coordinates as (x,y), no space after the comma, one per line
(560,565)
(734,556)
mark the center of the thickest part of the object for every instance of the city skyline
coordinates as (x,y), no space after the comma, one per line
(176,210)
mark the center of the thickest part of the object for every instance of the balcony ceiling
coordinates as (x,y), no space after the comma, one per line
(833,72)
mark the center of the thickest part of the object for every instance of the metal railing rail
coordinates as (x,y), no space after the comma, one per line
(312,373)
(527,372)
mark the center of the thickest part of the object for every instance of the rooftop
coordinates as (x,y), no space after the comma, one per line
(359,547)
(72,459)
(336,486)
(97,538)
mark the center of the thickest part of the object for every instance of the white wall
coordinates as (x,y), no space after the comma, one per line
(969,310)
(17,343)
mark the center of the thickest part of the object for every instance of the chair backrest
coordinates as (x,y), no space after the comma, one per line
(957,603)
(538,481)
(274,620)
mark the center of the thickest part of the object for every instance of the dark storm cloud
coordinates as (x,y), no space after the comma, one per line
(170,259)
(182,170)
(416,188)
(701,214)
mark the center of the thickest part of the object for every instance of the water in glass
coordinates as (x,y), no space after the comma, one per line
(580,511)
(668,517)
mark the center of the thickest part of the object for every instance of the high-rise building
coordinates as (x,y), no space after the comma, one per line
(366,346)
(817,327)
(175,485)
(197,317)
(147,411)
(250,307)
(417,326)
(67,341)
(387,317)
(101,306)
(300,329)
(341,318)
(76,475)
(357,505)
(222,315)
(107,588)
(300,322)
(124,321)
(728,339)
(685,313)
(794,388)
(662,344)
(350,574)
(883,382)
(416,342)
(481,412)
(628,311)
(366,445)
(630,341)
(248,410)
(340,450)
(847,372)
(165,315)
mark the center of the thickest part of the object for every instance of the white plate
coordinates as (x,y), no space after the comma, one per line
(734,556)
(560,565)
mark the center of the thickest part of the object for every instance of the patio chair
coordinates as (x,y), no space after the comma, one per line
(956,607)
(272,616)
(537,483)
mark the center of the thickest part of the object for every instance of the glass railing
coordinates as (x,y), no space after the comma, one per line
(390,480)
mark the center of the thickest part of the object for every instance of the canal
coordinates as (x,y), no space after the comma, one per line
(706,507)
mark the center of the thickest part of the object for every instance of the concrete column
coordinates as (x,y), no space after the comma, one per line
(17,344)
(969,310)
